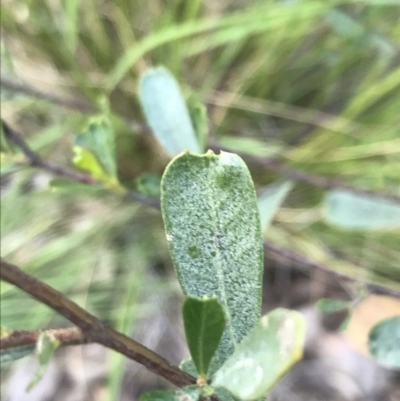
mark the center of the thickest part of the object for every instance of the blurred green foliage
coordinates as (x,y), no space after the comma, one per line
(315,82)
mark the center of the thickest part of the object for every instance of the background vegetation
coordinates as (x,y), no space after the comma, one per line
(316,83)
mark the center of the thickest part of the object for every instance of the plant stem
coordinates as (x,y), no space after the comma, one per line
(66,336)
(92,328)
(282,253)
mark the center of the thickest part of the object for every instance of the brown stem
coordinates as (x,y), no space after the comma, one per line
(278,166)
(66,336)
(93,329)
(70,104)
(36,161)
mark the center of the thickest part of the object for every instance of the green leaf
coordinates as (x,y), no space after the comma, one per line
(213,230)
(166,111)
(149,185)
(45,347)
(85,160)
(384,342)
(271,199)
(198,115)
(14,353)
(95,149)
(188,366)
(188,393)
(159,395)
(327,305)
(269,350)
(204,323)
(359,212)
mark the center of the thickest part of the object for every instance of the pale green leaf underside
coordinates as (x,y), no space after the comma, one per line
(384,342)
(166,111)
(212,225)
(359,212)
(271,199)
(269,350)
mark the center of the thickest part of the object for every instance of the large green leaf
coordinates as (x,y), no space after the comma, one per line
(166,111)
(269,350)
(204,323)
(384,342)
(359,212)
(213,230)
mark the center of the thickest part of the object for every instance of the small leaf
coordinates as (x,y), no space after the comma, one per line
(85,160)
(98,141)
(384,342)
(204,323)
(224,395)
(149,185)
(213,230)
(188,393)
(188,366)
(45,347)
(359,212)
(14,353)
(166,111)
(159,395)
(198,115)
(270,201)
(327,305)
(270,349)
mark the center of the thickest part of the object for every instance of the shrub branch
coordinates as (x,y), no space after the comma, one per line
(276,251)
(66,336)
(92,328)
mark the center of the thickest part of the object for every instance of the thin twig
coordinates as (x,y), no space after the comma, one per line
(36,161)
(92,328)
(66,336)
(300,262)
(278,166)
(70,104)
